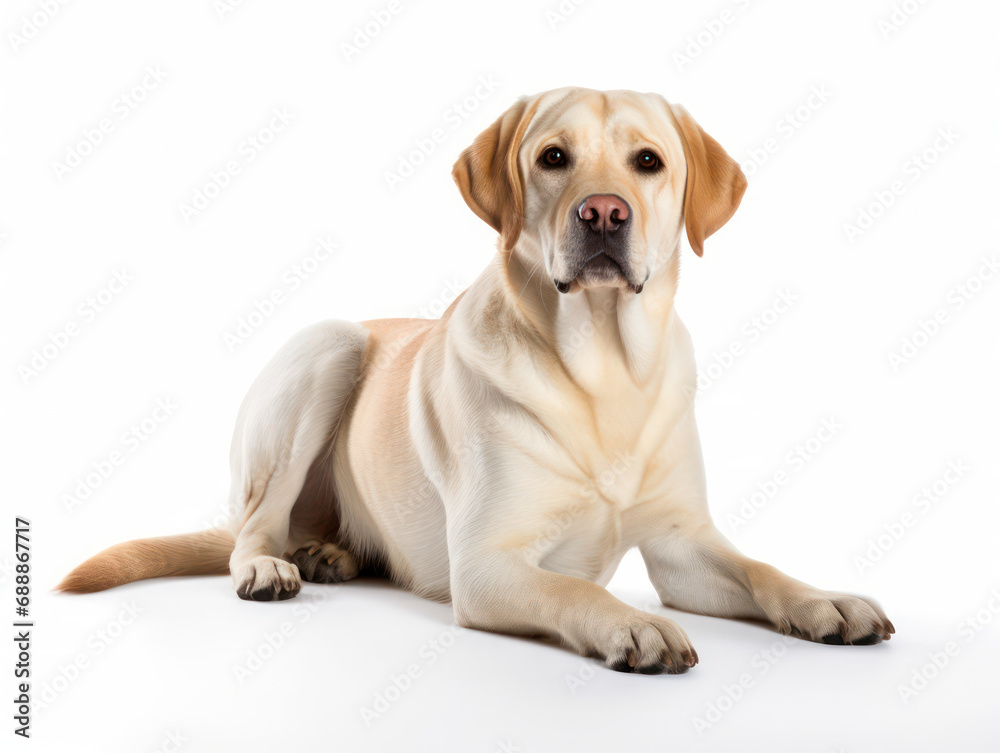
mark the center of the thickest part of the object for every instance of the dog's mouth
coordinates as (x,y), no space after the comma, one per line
(600,270)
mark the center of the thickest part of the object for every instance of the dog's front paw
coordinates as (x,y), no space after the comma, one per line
(266,578)
(837,619)
(647,644)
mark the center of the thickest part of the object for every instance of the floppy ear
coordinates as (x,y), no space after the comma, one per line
(715,182)
(488,175)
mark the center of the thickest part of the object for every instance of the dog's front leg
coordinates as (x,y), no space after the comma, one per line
(500,591)
(696,569)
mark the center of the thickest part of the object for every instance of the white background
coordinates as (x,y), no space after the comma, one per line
(171,670)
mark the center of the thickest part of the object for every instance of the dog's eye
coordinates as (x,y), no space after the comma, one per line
(647,161)
(553,157)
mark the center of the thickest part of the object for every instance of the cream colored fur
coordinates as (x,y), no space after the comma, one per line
(508,455)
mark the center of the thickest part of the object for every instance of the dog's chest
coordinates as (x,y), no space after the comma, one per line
(589,510)
(591,522)
(621,438)
(612,468)
(606,459)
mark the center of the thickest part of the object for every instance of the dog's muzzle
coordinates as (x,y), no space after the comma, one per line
(599,235)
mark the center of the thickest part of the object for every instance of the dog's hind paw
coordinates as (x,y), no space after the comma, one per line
(323,562)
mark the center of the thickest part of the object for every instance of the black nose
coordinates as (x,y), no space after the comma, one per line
(604,212)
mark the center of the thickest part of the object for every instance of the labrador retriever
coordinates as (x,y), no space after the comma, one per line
(507,455)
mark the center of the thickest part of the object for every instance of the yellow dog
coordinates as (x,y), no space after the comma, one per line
(507,455)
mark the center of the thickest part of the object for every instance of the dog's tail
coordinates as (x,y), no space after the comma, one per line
(202,553)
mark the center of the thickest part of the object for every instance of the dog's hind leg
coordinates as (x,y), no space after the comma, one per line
(288,419)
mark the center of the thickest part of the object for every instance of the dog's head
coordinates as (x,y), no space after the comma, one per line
(599,184)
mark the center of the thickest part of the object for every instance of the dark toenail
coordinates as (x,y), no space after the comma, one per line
(622,665)
(868,640)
